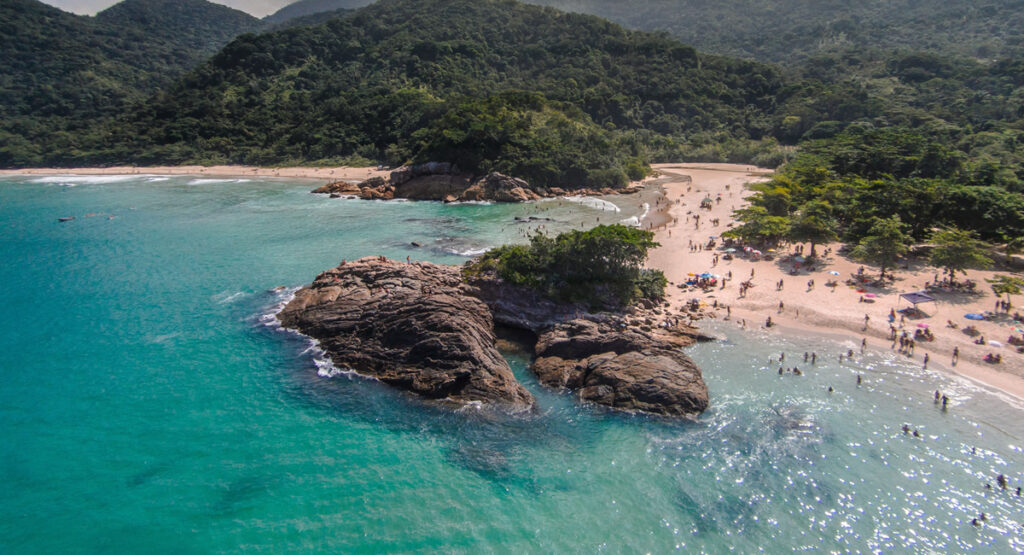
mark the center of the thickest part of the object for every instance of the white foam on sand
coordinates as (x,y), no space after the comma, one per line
(635,220)
(594,202)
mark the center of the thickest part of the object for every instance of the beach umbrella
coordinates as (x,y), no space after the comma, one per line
(995,343)
(771,250)
(730,249)
(923,325)
(973,316)
(757,252)
(835,273)
(870,295)
(798,259)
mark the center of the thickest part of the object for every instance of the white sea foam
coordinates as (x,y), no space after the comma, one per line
(324,366)
(227,297)
(469,252)
(635,220)
(70,180)
(156,179)
(594,202)
(210,181)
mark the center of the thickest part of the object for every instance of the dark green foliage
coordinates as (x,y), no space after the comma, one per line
(866,173)
(790,31)
(406,80)
(312,11)
(61,73)
(599,267)
(956,250)
(885,243)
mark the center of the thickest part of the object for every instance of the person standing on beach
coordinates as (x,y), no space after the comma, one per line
(956,355)
(925,361)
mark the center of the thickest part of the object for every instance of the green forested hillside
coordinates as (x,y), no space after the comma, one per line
(60,73)
(305,8)
(196,27)
(409,79)
(790,31)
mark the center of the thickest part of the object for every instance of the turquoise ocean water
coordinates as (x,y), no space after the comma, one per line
(147,406)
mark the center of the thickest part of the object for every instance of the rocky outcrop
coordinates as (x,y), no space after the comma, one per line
(622,368)
(412,326)
(444,182)
(426,329)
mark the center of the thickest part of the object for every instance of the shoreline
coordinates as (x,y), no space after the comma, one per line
(802,309)
(338,173)
(672,199)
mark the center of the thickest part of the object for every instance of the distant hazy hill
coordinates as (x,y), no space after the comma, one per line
(436,79)
(304,8)
(197,26)
(788,31)
(62,71)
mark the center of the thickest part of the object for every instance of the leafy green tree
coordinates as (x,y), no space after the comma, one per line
(1006,285)
(1014,245)
(759,227)
(814,224)
(601,266)
(955,250)
(884,244)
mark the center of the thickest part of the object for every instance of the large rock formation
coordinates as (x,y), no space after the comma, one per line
(443,181)
(423,328)
(411,326)
(622,368)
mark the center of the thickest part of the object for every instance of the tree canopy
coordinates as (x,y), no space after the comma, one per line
(885,243)
(955,250)
(602,266)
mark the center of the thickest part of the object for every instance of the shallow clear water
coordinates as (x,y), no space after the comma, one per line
(147,407)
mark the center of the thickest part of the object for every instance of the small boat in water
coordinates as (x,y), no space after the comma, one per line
(65,219)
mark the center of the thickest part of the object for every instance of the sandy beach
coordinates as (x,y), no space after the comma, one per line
(330,174)
(818,309)
(837,311)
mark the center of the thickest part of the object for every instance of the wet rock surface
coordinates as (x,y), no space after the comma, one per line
(623,369)
(411,326)
(426,329)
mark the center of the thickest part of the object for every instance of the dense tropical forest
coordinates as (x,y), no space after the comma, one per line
(557,98)
(61,73)
(790,31)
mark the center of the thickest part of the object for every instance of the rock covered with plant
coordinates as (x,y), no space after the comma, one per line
(429,329)
(445,182)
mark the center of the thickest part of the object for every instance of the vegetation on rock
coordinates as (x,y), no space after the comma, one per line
(600,267)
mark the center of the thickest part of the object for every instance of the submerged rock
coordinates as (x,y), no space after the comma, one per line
(411,326)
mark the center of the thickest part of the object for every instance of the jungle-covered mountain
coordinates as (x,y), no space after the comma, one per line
(306,8)
(788,32)
(61,72)
(488,84)
(196,27)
